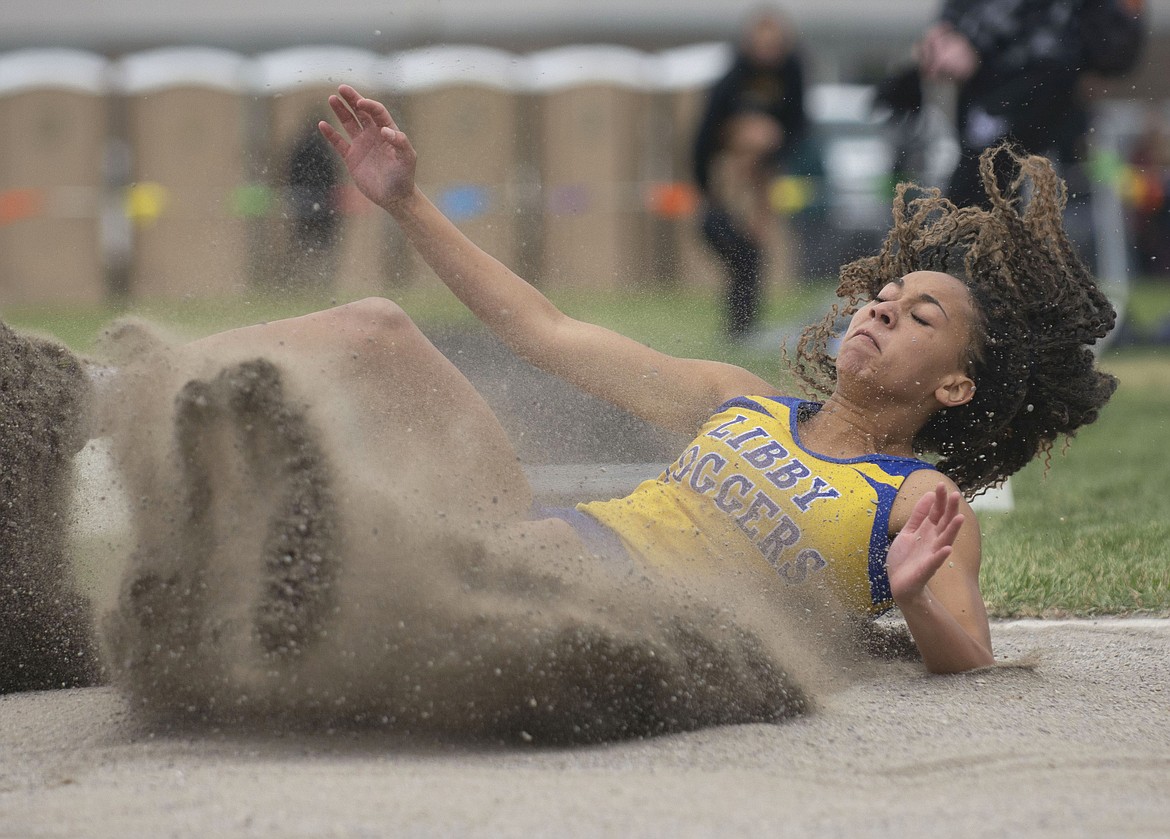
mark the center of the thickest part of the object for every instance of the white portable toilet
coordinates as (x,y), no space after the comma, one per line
(682,78)
(593,117)
(185,128)
(52,176)
(460,105)
(321,233)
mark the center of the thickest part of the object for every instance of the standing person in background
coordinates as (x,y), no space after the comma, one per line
(753,122)
(313,176)
(1017,64)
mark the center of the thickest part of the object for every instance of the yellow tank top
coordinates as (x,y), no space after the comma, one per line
(745,487)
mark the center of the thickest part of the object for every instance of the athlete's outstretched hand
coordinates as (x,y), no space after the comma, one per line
(379,157)
(924,544)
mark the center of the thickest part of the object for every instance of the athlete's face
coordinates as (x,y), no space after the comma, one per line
(910,343)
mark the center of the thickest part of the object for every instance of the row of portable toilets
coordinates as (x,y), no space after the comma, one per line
(166,174)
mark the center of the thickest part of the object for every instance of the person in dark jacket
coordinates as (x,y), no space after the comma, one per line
(766,80)
(1017,64)
(315,229)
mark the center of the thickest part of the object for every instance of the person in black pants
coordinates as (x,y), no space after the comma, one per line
(765,81)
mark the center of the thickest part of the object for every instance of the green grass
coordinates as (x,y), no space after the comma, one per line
(1149,302)
(1089,532)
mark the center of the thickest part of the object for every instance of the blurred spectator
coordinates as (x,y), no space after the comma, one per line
(1017,64)
(1150,158)
(313,176)
(752,124)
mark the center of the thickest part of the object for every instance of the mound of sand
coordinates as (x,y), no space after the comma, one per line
(46,628)
(293,562)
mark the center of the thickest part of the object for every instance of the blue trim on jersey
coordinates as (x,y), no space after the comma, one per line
(879,543)
(744,402)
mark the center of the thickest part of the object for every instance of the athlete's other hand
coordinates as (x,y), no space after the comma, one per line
(924,544)
(379,157)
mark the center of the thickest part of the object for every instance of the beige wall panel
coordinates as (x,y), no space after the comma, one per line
(192,257)
(51,180)
(594,222)
(188,142)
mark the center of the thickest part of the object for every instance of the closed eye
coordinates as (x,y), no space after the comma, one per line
(916,318)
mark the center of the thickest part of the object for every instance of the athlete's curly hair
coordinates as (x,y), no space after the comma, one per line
(1039,311)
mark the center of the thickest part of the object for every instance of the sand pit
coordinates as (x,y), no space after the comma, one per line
(1075,744)
(1079,746)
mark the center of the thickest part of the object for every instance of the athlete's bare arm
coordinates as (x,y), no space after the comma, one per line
(672,392)
(933,566)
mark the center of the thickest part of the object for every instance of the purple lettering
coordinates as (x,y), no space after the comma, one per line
(738,440)
(700,482)
(820,489)
(786,476)
(721,431)
(784,535)
(760,503)
(685,461)
(724,500)
(807,562)
(813,558)
(766,455)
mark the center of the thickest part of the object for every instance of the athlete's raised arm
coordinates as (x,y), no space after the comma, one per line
(672,392)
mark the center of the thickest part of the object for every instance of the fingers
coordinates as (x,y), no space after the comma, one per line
(357,114)
(398,140)
(942,545)
(943,505)
(350,95)
(344,115)
(353,100)
(369,112)
(951,509)
(377,112)
(944,516)
(951,531)
(339,143)
(936,517)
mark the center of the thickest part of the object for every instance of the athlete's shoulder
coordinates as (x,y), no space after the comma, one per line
(916,485)
(925,479)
